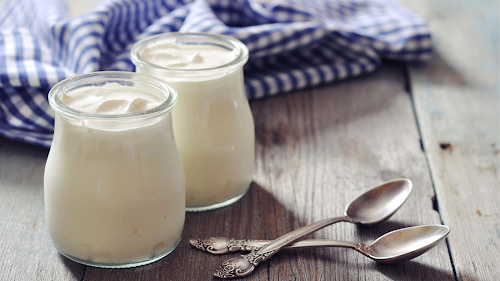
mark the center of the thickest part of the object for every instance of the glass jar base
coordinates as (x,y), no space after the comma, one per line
(219,205)
(121,265)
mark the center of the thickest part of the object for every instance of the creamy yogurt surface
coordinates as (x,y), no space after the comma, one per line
(111,98)
(169,54)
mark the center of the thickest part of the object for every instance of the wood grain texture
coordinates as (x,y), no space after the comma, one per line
(26,250)
(457,100)
(316,150)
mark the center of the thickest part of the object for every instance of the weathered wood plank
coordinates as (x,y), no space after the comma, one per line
(26,250)
(316,150)
(457,100)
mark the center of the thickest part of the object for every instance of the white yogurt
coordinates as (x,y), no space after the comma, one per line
(111,98)
(114,188)
(213,124)
(167,53)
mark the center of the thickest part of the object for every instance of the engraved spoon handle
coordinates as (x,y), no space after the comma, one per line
(272,248)
(309,243)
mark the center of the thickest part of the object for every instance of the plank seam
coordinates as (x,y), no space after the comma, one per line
(84,271)
(435,203)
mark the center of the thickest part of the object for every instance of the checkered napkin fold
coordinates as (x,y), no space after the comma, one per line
(294,44)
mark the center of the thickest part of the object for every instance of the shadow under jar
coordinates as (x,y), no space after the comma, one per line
(213,124)
(114,183)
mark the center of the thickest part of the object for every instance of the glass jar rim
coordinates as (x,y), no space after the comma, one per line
(109,77)
(241,59)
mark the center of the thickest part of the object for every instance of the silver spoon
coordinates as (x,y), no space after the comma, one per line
(373,206)
(393,247)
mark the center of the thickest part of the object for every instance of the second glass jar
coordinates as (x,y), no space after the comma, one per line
(213,123)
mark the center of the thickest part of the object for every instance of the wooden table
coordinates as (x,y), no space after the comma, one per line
(436,123)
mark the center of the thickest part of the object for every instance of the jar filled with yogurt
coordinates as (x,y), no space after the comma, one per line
(213,124)
(114,180)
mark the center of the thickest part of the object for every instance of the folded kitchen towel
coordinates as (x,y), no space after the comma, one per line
(293,44)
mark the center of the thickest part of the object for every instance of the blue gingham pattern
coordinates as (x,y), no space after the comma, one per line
(293,44)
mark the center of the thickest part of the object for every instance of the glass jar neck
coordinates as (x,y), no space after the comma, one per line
(111,124)
(165,93)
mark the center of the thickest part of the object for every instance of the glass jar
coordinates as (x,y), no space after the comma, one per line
(114,184)
(213,123)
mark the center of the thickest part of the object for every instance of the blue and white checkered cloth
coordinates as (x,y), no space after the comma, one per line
(293,44)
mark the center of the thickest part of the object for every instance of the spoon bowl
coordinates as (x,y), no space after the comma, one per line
(379,204)
(407,243)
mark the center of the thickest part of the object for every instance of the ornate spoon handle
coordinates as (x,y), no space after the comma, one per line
(244,265)
(222,245)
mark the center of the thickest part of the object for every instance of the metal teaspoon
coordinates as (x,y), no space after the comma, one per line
(373,206)
(396,246)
